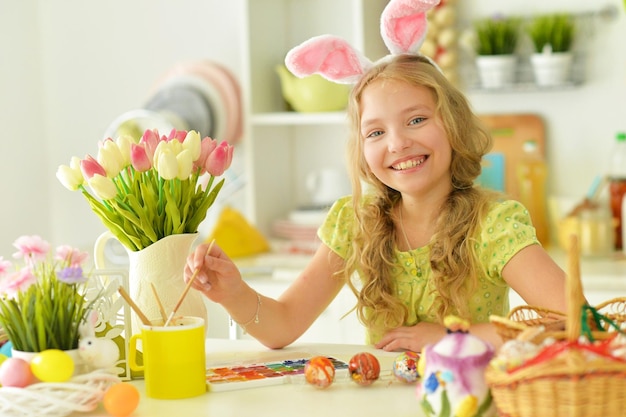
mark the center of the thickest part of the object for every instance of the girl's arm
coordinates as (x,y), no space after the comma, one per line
(280,321)
(536,278)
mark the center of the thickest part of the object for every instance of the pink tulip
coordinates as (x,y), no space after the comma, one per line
(220,159)
(150,140)
(139,158)
(90,167)
(179,135)
(207,146)
(31,248)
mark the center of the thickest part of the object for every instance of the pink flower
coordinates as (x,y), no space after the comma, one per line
(90,167)
(207,146)
(17,281)
(72,256)
(150,140)
(220,159)
(179,135)
(139,158)
(31,248)
(4,265)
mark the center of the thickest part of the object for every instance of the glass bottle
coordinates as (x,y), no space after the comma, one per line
(617,184)
(532,174)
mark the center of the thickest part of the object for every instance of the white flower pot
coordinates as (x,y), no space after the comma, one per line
(552,68)
(79,364)
(496,71)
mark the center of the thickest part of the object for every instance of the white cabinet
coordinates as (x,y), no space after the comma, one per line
(282,147)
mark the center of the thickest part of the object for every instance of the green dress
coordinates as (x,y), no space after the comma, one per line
(507,229)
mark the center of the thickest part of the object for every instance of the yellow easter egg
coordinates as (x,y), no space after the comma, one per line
(52,365)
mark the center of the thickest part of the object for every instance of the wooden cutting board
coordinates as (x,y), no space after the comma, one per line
(509,132)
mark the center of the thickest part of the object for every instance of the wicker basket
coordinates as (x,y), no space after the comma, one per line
(569,384)
(523,317)
(57,399)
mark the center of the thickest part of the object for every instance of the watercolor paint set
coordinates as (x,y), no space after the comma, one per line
(243,376)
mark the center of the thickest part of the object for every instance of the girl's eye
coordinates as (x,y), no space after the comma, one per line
(374,134)
(417,120)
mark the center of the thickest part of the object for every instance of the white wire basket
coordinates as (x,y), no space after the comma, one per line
(82,393)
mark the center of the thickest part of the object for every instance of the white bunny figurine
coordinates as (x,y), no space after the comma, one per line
(98,352)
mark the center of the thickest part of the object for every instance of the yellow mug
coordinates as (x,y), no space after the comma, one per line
(174,361)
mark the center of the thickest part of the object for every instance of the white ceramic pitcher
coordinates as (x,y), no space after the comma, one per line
(161,264)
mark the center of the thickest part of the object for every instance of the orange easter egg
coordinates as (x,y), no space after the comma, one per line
(121,399)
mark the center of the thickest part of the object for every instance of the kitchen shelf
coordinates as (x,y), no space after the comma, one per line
(283,147)
(588,22)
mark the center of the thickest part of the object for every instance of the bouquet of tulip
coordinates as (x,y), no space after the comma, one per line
(43,303)
(148,190)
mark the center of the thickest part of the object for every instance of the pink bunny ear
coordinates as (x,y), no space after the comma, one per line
(330,56)
(403,25)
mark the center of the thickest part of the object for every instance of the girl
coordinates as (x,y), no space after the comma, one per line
(419,243)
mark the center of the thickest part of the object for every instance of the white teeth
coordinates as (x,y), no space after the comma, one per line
(408,164)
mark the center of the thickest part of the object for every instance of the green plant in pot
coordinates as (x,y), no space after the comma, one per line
(552,36)
(496,40)
(43,303)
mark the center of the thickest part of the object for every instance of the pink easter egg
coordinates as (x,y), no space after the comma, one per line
(15,372)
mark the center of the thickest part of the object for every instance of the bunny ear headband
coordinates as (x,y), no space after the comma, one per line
(403,29)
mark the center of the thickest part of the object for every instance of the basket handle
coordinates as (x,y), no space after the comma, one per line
(575,298)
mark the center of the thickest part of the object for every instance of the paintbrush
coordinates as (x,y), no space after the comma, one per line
(134,306)
(187,287)
(158,301)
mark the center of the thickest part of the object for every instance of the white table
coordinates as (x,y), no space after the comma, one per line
(385,397)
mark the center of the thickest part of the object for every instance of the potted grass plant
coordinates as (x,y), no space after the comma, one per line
(552,36)
(43,302)
(496,40)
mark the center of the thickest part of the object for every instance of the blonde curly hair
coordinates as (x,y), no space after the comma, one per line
(454,264)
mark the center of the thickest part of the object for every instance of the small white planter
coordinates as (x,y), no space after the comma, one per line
(552,69)
(496,71)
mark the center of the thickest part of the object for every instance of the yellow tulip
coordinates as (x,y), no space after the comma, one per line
(111,158)
(104,187)
(123,143)
(165,163)
(71,176)
(185,164)
(192,143)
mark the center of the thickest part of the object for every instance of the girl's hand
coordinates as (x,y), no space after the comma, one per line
(412,338)
(217,278)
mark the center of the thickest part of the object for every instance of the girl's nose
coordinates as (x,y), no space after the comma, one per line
(397,142)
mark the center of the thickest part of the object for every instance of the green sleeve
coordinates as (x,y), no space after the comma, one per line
(506,230)
(335,232)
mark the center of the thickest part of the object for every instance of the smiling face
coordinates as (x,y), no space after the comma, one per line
(404,142)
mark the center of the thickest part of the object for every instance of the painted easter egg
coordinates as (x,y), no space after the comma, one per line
(319,372)
(364,368)
(52,365)
(405,367)
(15,372)
(121,399)
(5,349)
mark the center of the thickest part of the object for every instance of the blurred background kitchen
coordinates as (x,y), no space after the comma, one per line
(70,68)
